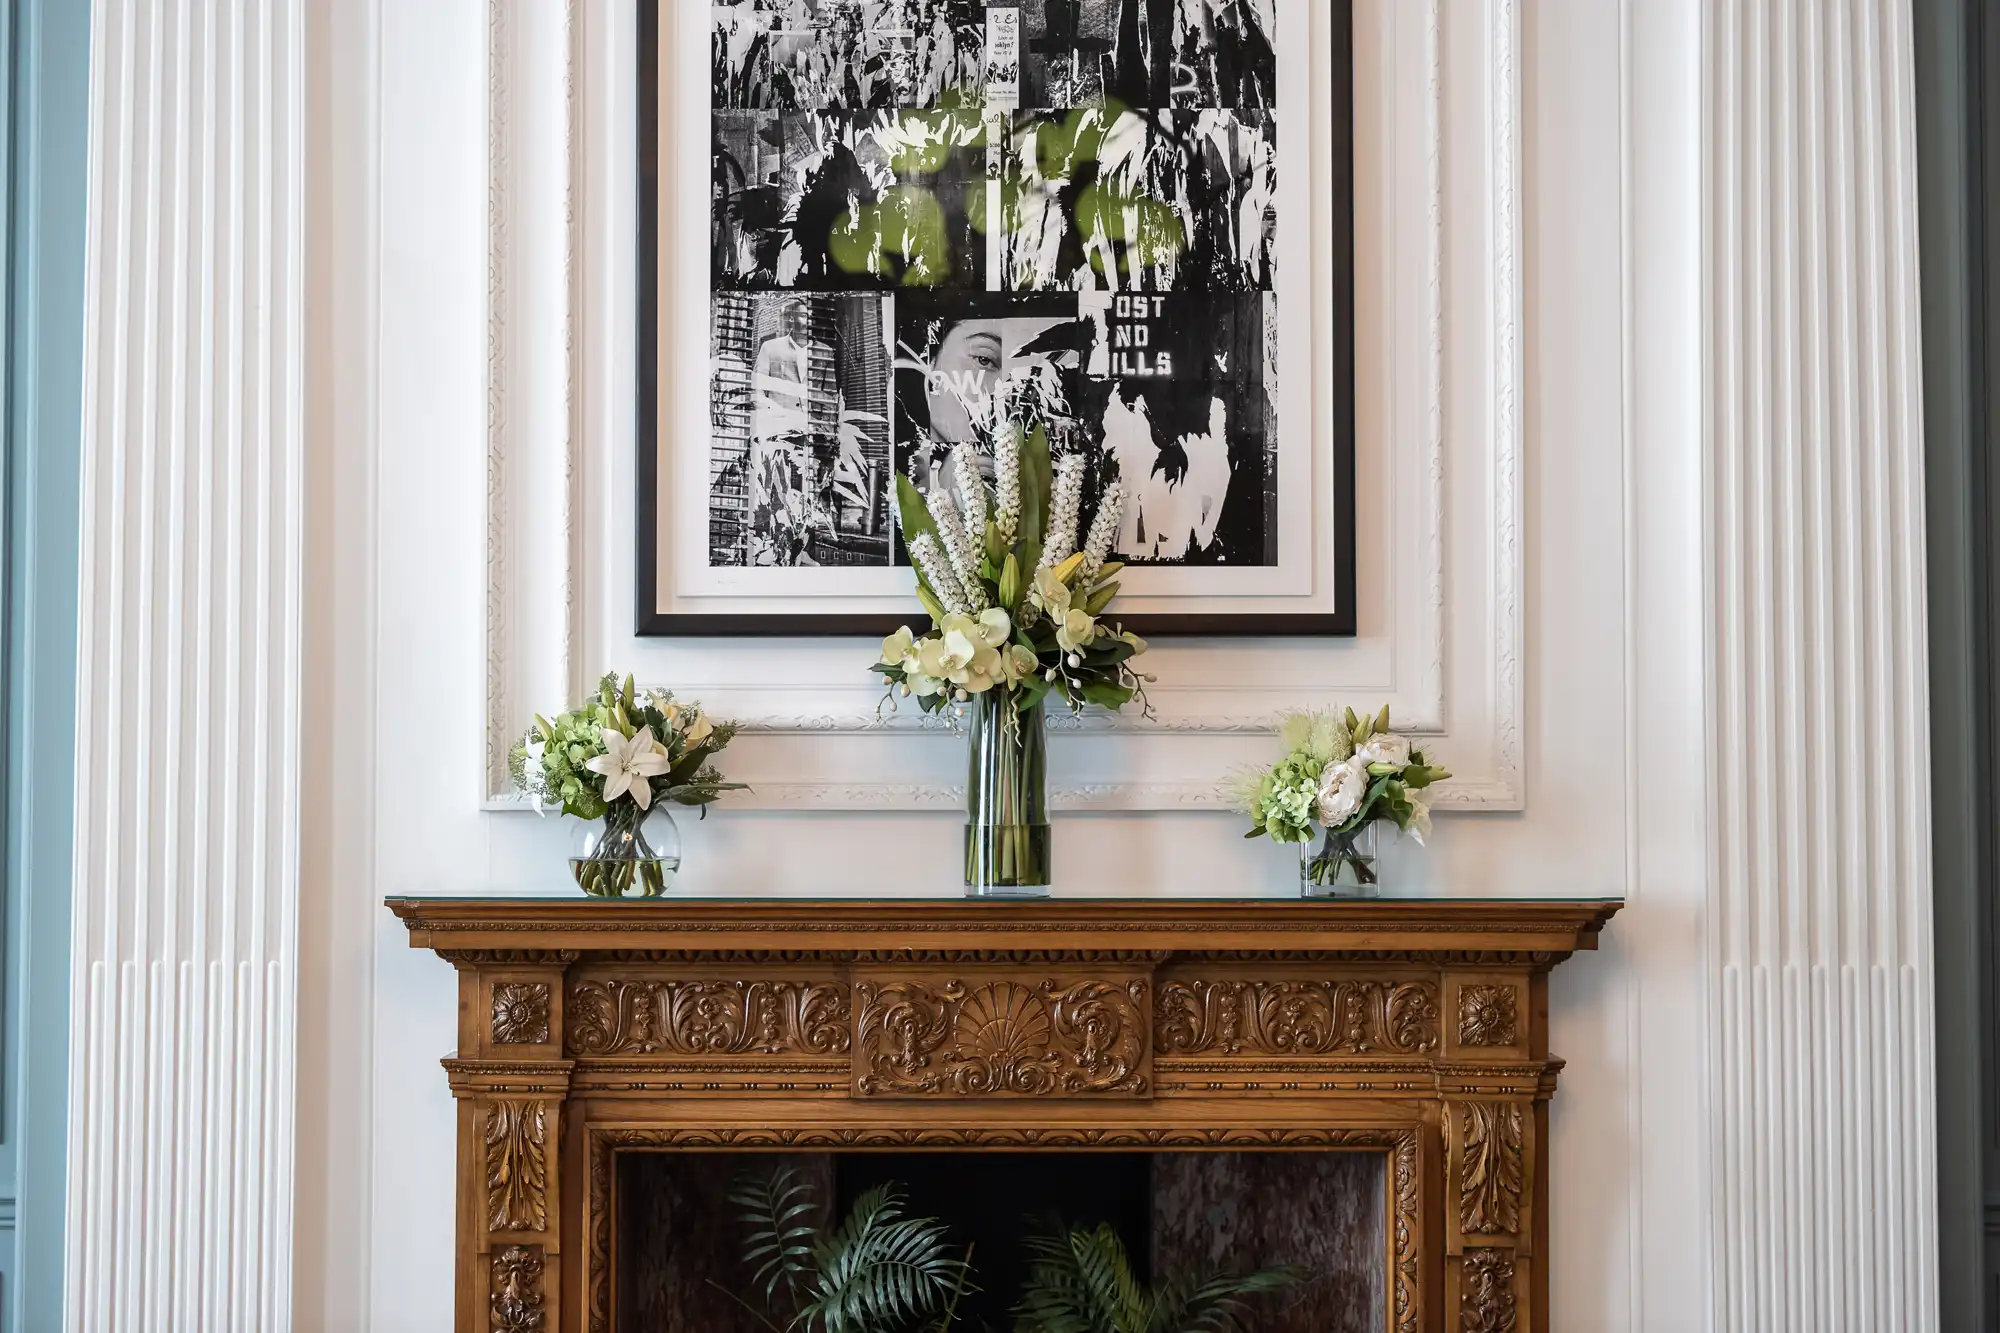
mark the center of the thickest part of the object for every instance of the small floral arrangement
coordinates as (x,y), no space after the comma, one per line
(1015,600)
(1340,773)
(626,745)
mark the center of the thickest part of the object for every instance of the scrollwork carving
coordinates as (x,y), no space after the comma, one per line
(1486,1300)
(1492,1170)
(1487,1016)
(1051,1039)
(1297,1017)
(646,1017)
(520,1013)
(516,1305)
(517,1166)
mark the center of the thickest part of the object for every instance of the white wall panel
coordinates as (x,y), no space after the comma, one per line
(1819,886)
(187,799)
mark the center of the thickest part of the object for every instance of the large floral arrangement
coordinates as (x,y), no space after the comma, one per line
(622,745)
(1340,773)
(1016,597)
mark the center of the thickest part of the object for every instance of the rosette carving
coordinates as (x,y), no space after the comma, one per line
(516,1305)
(651,1017)
(520,1013)
(1492,1170)
(1486,1016)
(517,1166)
(1051,1039)
(1486,1300)
(1297,1017)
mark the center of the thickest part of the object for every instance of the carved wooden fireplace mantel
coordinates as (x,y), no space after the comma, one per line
(1417,1029)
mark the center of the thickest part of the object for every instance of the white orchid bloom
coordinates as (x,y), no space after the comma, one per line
(1050,593)
(957,653)
(1076,630)
(993,627)
(898,647)
(629,765)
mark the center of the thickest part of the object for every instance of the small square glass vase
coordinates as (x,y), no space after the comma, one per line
(1341,865)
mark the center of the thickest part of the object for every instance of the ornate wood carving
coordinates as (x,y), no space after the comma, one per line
(826,1026)
(517,1290)
(517,1166)
(1486,1300)
(1486,1016)
(1002,1038)
(520,1013)
(1297,1017)
(1492,1171)
(645,1017)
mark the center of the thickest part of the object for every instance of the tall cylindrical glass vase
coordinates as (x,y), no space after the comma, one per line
(1006,799)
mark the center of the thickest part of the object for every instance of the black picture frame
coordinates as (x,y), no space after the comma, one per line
(652,622)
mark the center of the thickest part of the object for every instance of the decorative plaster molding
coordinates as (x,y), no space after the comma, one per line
(555,654)
(184,932)
(1818,919)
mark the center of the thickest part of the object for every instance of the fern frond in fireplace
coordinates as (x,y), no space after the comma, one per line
(1081,1281)
(877,1272)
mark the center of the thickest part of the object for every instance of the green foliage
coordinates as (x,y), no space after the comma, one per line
(551,761)
(878,1272)
(1081,1281)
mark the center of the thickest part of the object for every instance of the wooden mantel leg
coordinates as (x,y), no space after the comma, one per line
(1490,1252)
(511,1083)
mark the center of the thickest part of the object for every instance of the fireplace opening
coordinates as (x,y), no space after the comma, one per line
(679,1243)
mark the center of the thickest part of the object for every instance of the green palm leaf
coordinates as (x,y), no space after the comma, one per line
(880,1270)
(1081,1281)
(777,1212)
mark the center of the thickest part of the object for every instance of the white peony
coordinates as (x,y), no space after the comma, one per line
(1342,788)
(1386,748)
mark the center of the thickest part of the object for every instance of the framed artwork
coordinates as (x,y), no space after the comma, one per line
(877,235)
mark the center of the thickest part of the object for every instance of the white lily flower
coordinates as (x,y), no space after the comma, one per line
(1420,818)
(629,765)
(699,731)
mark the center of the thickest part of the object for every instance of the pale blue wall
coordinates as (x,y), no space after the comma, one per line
(48,74)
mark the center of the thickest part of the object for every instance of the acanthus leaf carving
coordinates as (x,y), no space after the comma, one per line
(517,1304)
(1492,1167)
(521,1013)
(517,1166)
(1486,1300)
(1488,1016)
(1235,1017)
(691,1017)
(1002,1038)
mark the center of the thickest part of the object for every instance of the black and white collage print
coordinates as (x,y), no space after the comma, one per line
(931,219)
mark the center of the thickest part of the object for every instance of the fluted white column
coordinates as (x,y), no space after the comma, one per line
(181,1106)
(1821,1019)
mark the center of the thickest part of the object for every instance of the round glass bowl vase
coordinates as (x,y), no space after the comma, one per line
(630,853)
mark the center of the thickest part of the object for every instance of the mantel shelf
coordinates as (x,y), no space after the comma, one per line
(1172,925)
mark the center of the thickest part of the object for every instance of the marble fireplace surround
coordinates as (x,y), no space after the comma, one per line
(1417,1029)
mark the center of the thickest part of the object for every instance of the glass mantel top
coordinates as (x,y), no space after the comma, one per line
(995,904)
